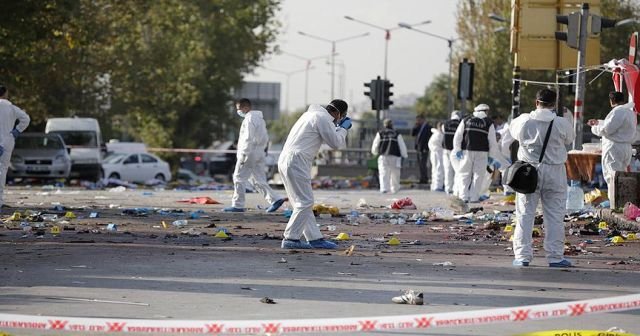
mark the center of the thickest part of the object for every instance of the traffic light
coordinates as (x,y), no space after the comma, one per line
(598,23)
(373,93)
(386,94)
(571,36)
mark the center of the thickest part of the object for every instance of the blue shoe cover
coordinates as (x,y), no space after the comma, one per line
(275,205)
(483,198)
(518,262)
(323,244)
(294,244)
(564,264)
(232,209)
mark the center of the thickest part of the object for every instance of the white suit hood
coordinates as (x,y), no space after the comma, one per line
(253,134)
(530,130)
(436,140)
(480,114)
(312,129)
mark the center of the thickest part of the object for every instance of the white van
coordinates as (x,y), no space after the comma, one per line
(116,146)
(83,137)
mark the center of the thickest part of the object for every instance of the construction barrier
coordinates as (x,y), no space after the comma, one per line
(325,325)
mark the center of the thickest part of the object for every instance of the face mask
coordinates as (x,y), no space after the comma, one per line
(241,113)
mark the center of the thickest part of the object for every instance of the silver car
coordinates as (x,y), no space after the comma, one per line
(40,155)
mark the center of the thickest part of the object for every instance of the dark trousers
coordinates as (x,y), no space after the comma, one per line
(424,165)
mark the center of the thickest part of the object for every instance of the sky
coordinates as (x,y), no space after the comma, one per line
(414,59)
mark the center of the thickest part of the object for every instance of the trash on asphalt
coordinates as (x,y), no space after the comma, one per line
(343,236)
(200,200)
(410,297)
(117,189)
(349,252)
(267,300)
(282,261)
(403,203)
(323,209)
(631,211)
(287,213)
(191,232)
(444,263)
(393,241)
(362,204)
(112,227)
(221,234)
(180,223)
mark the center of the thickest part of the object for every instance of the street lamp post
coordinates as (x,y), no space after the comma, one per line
(306,74)
(333,51)
(288,74)
(387,35)
(450,45)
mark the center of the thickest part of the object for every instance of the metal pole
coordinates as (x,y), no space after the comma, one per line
(333,66)
(450,93)
(560,91)
(386,51)
(515,91)
(580,77)
(306,86)
(288,88)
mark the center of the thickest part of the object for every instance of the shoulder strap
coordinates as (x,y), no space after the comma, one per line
(546,141)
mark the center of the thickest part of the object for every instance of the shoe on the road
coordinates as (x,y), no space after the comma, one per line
(323,244)
(564,263)
(409,297)
(483,198)
(233,209)
(276,205)
(520,263)
(294,244)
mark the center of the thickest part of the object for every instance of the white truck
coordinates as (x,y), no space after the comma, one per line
(83,137)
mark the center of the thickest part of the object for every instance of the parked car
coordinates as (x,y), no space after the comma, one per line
(135,167)
(188,177)
(84,138)
(40,155)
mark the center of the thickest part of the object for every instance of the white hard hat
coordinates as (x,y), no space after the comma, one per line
(481,107)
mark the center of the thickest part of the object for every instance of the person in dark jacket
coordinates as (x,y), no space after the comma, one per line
(422,132)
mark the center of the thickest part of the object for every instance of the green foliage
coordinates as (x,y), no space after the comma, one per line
(479,42)
(159,71)
(434,102)
(279,129)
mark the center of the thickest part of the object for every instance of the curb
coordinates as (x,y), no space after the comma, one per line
(619,220)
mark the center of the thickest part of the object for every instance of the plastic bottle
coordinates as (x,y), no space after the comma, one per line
(575,197)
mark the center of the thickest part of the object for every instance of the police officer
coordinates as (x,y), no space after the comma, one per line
(474,139)
(391,148)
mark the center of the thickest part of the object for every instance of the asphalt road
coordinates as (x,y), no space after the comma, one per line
(151,272)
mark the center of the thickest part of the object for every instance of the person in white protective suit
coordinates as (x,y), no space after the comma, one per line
(450,163)
(475,146)
(436,152)
(530,129)
(316,126)
(390,147)
(618,131)
(9,132)
(250,163)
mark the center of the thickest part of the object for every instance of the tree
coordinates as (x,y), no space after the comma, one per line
(433,104)
(165,68)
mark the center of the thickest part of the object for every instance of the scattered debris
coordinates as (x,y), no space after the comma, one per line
(267,300)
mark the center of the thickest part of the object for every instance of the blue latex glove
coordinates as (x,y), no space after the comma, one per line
(15,133)
(494,163)
(459,155)
(345,123)
(1,150)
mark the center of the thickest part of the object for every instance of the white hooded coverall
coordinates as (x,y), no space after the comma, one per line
(473,166)
(436,153)
(618,131)
(389,165)
(530,129)
(9,114)
(250,163)
(314,128)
